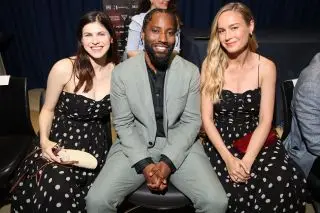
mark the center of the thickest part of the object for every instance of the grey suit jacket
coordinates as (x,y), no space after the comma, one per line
(303,142)
(133,111)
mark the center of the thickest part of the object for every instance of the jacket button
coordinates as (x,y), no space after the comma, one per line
(150,143)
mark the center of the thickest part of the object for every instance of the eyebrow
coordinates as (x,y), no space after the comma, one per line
(158,27)
(102,31)
(231,25)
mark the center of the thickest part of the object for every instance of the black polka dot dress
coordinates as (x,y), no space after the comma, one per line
(79,123)
(276,184)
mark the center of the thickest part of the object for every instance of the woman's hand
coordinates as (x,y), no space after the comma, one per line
(237,170)
(247,162)
(47,152)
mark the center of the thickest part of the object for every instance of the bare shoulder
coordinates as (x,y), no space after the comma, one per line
(267,67)
(64,64)
(62,70)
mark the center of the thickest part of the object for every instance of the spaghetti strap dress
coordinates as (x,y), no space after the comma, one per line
(79,123)
(276,184)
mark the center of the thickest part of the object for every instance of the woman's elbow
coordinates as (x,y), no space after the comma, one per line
(206,122)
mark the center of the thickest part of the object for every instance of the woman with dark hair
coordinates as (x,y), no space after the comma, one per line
(134,42)
(75,116)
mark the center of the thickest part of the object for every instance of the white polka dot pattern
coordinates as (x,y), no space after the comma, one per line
(276,185)
(79,123)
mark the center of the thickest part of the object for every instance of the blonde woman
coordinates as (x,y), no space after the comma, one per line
(238,92)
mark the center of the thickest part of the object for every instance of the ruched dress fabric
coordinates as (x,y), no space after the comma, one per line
(79,123)
(276,183)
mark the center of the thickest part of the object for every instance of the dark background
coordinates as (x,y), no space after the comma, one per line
(41,32)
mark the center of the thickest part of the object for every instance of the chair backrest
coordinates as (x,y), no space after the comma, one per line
(287,94)
(14,108)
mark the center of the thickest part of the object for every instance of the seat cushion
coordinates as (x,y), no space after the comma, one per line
(13,149)
(171,199)
(314,180)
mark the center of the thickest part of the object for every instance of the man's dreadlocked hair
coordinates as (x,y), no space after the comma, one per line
(149,15)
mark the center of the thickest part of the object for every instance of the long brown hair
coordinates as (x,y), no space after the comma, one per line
(216,61)
(83,68)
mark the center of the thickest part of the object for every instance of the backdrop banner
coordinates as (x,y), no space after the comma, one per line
(120,13)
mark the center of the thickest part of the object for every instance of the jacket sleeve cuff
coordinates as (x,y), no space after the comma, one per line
(167,160)
(140,165)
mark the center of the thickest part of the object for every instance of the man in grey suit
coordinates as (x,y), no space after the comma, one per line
(156,112)
(303,141)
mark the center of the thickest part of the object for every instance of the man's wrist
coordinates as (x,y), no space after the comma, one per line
(168,162)
(142,164)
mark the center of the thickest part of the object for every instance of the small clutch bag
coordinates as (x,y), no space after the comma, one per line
(242,143)
(76,157)
(68,157)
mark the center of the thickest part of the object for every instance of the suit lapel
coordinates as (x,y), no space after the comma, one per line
(165,101)
(144,89)
(169,88)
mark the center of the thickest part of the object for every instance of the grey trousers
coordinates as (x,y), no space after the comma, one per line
(195,178)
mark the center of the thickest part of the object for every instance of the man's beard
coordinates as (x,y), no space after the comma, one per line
(161,63)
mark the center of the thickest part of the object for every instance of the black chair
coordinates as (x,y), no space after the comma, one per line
(171,199)
(16,131)
(313,179)
(287,93)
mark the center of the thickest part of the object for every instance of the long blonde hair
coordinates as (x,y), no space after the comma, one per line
(216,61)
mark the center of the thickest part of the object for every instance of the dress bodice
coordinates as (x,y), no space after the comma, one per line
(238,108)
(78,118)
(78,107)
